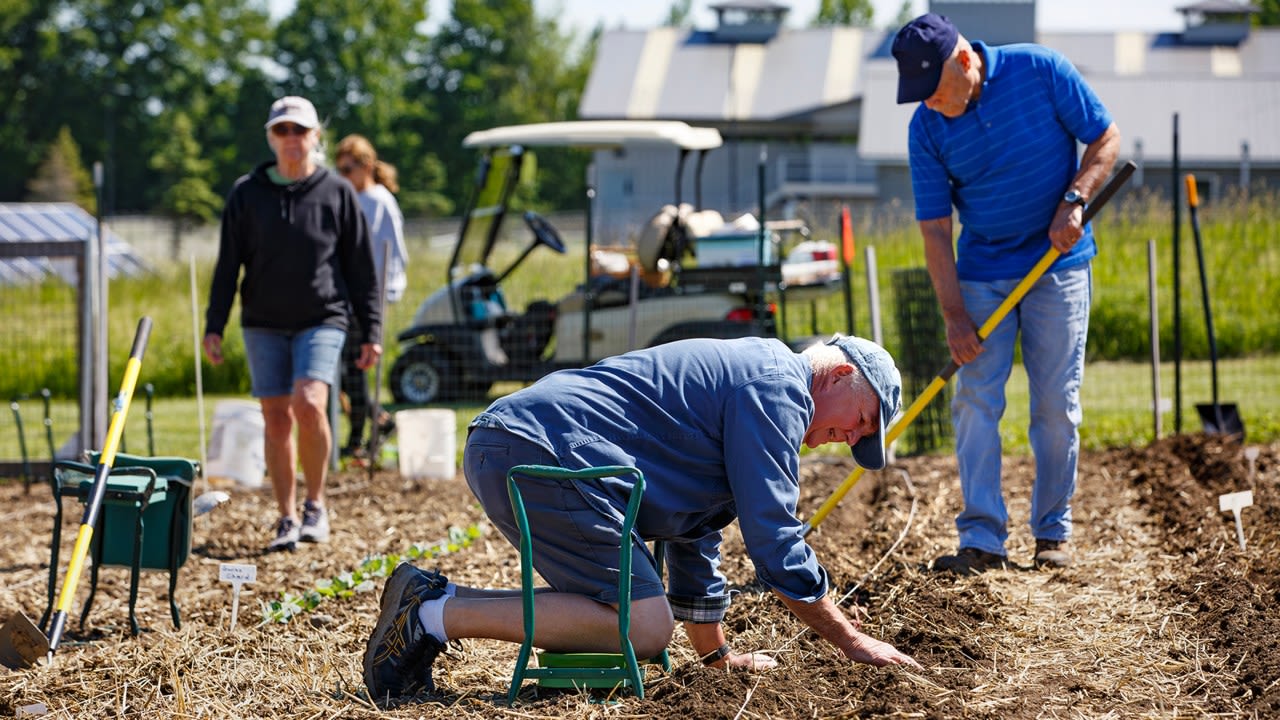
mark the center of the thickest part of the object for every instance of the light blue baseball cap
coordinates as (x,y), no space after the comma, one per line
(877,367)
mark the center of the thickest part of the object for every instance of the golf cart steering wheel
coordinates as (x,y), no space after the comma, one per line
(544,231)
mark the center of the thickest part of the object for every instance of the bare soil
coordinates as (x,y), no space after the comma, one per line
(1162,615)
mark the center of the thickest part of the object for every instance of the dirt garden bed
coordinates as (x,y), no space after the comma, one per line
(1163,616)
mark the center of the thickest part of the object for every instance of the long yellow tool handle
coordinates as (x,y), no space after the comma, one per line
(987,328)
(93,504)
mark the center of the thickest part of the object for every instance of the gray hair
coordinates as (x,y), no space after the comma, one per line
(825,358)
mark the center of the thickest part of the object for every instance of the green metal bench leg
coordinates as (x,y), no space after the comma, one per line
(629,672)
(134,571)
(53,556)
(173,571)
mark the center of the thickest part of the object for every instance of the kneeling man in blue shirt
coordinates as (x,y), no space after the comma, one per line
(716,427)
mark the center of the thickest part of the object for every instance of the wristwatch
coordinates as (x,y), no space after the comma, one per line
(1073,197)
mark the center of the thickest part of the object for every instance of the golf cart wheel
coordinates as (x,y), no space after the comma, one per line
(418,377)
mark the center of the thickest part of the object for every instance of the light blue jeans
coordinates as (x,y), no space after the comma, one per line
(1053,320)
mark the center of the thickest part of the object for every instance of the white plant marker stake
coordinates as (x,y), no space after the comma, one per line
(1235,502)
(237,575)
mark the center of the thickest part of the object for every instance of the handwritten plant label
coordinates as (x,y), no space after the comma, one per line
(237,575)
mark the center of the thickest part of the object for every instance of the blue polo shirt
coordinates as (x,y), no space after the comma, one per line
(715,426)
(1006,162)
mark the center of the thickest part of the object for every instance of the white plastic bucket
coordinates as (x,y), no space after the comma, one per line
(427,443)
(236,444)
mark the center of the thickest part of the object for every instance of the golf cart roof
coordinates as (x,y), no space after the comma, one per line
(599,134)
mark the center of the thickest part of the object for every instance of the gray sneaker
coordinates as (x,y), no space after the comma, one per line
(286,535)
(315,523)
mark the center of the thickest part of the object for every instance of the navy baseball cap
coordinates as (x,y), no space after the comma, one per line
(921,48)
(882,375)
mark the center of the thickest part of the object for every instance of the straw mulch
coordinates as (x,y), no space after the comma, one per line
(1163,616)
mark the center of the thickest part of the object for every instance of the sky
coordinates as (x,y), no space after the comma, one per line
(1052,15)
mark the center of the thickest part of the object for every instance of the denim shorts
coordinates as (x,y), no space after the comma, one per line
(574,527)
(278,359)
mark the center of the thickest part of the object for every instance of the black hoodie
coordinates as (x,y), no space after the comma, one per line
(306,255)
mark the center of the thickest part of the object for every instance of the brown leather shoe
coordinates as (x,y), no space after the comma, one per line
(1053,554)
(970,561)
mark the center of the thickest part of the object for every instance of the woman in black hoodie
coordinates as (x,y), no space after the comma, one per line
(297,231)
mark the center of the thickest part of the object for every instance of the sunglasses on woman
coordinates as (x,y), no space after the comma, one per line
(347,168)
(285,129)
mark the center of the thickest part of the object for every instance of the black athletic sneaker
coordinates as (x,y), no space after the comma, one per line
(399,655)
(970,561)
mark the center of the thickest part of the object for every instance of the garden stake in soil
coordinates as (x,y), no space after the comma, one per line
(21,642)
(1234,503)
(375,439)
(943,377)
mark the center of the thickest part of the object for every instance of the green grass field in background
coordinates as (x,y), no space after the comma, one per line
(1244,272)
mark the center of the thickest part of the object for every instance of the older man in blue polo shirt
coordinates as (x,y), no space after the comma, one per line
(716,427)
(996,138)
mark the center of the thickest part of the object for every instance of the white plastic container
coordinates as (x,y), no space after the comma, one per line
(427,443)
(236,444)
(733,249)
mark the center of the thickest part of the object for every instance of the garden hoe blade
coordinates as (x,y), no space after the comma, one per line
(940,381)
(21,643)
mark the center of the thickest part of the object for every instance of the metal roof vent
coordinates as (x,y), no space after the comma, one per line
(1217,22)
(748,21)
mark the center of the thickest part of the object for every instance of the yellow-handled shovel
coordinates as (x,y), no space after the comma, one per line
(22,644)
(940,381)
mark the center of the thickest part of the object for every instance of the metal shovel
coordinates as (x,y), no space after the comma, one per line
(1215,418)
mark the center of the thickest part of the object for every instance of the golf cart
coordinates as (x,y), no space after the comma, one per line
(465,337)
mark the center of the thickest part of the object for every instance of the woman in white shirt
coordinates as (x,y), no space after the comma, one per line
(374,181)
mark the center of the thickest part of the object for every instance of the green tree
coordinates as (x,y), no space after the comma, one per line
(184,173)
(495,63)
(844,12)
(680,14)
(30,117)
(1269,13)
(109,68)
(62,177)
(905,14)
(355,59)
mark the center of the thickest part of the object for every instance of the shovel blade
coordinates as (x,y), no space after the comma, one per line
(1230,425)
(208,501)
(22,644)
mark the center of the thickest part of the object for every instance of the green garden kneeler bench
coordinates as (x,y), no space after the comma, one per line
(579,670)
(145,523)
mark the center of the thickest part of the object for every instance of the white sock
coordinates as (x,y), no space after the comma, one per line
(431,615)
(451,589)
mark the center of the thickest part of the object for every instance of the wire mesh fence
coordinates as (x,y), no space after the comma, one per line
(1122,404)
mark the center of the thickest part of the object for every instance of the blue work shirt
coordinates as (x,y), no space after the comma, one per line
(1007,161)
(716,427)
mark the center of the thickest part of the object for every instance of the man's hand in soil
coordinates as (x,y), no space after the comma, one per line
(877,652)
(828,621)
(750,661)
